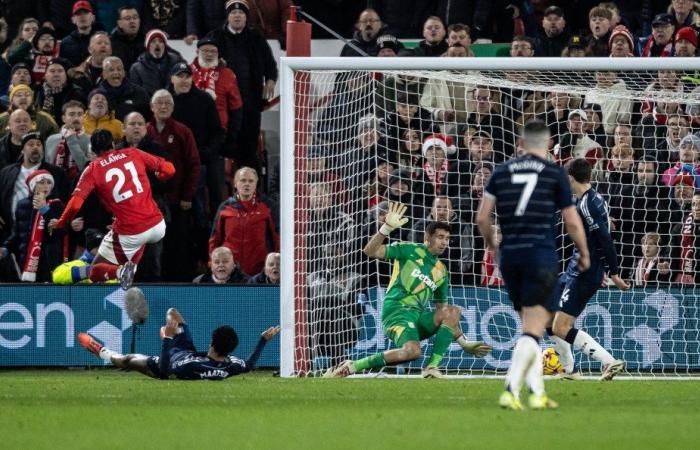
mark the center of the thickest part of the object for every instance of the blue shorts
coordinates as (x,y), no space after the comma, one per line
(574,294)
(530,279)
(182,342)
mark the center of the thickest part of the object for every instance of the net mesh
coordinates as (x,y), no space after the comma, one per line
(431,139)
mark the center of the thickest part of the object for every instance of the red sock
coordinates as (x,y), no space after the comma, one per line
(103,272)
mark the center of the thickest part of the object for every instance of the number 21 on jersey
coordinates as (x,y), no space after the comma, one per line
(119,192)
(530,181)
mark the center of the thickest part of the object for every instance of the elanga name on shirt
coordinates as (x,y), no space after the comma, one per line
(112,158)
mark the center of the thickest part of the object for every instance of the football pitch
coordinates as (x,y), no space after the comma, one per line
(104,409)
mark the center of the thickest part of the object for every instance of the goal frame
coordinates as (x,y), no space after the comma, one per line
(288,123)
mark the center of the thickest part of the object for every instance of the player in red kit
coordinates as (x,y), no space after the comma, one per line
(119,178)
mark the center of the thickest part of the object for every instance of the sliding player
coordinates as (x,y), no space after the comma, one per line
(180,359)
(418,276)
(528,191)
(577,288)
(120,181)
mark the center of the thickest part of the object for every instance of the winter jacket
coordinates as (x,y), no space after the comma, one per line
(128,97)
(108,122)
(270,17)
(9,153)
(237,277)
(70,92)
(404,19)
(261,278)
(179,143)
(205,125)
(204,16)
(425,49)
(14,11)
(127,48)
(152,74)
(250,57)
(226,96)
(551,46)
(106,11)
(369,47)
(247,228)
(74,47)
(51,243)
(38,62)
(59,13)
(41,122)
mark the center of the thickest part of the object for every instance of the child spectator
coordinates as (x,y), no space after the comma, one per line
(649,269)
(600,23)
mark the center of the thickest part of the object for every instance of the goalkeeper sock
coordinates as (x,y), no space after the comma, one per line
(106,354)
(369,362)
(534,376)
(443,339)
(583,342)
(525,353)
(563,349)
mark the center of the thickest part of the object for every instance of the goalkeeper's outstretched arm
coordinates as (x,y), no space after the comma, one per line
(394,219)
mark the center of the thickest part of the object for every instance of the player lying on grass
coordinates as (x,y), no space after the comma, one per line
(418,276)
(576,287)
(180,359)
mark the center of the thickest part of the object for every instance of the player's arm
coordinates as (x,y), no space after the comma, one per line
(252,360)
(574,228)
(69,213)
(394,219)
(162,168)
(483,220)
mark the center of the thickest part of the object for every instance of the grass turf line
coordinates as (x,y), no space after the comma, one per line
(103,409)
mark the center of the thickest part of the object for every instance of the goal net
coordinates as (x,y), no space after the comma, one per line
(359,133)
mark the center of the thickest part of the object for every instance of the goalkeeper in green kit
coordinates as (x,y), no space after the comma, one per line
(418,278)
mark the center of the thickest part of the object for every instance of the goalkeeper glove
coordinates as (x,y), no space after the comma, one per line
(394,218)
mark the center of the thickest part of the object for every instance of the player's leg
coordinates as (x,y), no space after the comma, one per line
(449,317)
(106,265)
(147,365)
(562,347)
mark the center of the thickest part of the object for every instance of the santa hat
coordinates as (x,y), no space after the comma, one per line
(155,33)
(439,140)
(37,176)
(621,30)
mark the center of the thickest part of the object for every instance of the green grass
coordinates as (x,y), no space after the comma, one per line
(104,409)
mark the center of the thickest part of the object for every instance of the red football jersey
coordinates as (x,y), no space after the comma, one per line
(119,178)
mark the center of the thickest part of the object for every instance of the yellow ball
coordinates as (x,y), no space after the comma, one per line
(550,362)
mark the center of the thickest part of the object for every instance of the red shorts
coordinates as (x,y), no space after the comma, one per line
(120,248)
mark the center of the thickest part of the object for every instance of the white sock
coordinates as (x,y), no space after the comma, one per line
(534,376)
(563,349)
(586,344)
(106,354)
(526,352)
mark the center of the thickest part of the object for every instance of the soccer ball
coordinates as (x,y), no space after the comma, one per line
(550,362)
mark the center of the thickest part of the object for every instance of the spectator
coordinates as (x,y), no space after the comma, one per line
(57,14)
(151,70)
(618,173)
(244,224)
(686,43)
(36,53)
(460,254)
(621,43)
(522,46)
(167,15)
(210,74)
(270,18)
(128,36)
(404,189)
(683,15)
(434,43)
(576,143)
(24,33)
(123,95)
(19,124)
(75,272)
(56,90)
(600,22)
(250,57)
(435,166)
(108,11)
(19,74)
(575,48)
(685,251)
(388,46)
(37,251)
(205,127)
(611,93)
(99,115)
(403,18)
(479,151)
(553,37)
(88,74)
(180,145)
(271,271)
(459,34)
(15,12)
(487,117)
(136,136)
(203,16)
(69,149)
(557,113)
(13,180)
(223,270)
(668,145)
(649,270)
(22,97)
(660,43)
(407,115)
(688,159)
(74,47)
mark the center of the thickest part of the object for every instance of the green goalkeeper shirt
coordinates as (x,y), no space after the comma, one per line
(417,278)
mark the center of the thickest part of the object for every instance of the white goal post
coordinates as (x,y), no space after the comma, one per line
(344,112)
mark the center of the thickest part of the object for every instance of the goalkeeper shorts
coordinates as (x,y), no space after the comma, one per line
(404,325)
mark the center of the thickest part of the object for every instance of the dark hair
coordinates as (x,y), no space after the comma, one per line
(523,38)
(72,104)
(101,141)
(535,126)
(434,226)
(224,340)
(126,8)
(580,170)
(457,27)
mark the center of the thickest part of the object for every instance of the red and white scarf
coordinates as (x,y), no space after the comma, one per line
(643,269)
(64,159)
(490,273)
(205,78)
(687,275)
(31,261)
(436,177)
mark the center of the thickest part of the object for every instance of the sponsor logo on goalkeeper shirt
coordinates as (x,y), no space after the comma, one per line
(424,278)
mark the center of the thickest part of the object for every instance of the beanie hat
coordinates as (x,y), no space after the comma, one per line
(93,238)
(400,175)
(621,30)
(95,92)
(237,4)
(155,33)
(37,176)
(42,31)
(20,88)
(31,136)
(691,139)
(389,41)
(20,65)
(439,140)
(688,34)
(63,62)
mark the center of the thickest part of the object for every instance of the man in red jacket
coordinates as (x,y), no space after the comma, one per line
(177,139)
(244,224)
